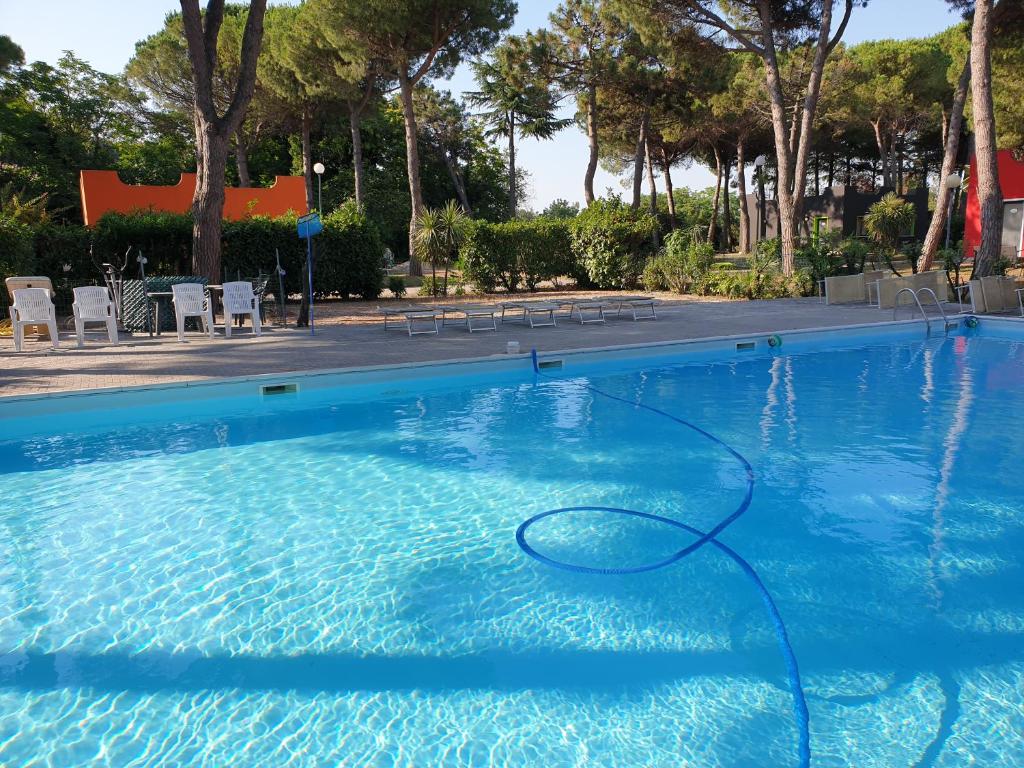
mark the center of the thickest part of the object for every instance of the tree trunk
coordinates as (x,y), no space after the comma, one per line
(990,198)
(513,201)
(653,191)
(900,189)
(451,164)
(242,160)
(302,319)
(670,192)
(944,193)
(831,169)
(727,208)
(355,118)
(883,154)
(213,131)
(713,224)
(762,233)
(638,162)
(307,157)
(817,174)
(208,204)
(741,191)
(588,180)
(792,160)
(783,197)
(412,156)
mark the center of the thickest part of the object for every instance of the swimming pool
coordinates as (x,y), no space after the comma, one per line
(332,577)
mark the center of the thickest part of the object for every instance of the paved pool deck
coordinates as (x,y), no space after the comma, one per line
(352,334)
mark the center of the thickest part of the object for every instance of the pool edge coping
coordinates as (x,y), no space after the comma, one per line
(350,370)
(291,376)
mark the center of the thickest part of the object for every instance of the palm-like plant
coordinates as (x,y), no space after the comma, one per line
(439,232)
(516,102)
(886,221)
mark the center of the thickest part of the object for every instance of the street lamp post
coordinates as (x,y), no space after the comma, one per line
(952,182)
(319,169)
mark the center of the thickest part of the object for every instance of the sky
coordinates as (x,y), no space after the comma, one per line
(107,40)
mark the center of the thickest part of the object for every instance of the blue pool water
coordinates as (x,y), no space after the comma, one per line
(340,584)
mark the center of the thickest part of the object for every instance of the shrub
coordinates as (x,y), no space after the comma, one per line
(438,234)
(352,260)
(612,243)
(396,284)
(432,285)
(855,254)
(486,258)
(684,265)
(887,220)
(17,255)
(516,253)
(764,278)
(165,239)
(822,258)
(655,277)
(250,247)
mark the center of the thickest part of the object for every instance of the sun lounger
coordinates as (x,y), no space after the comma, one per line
(587,310)
(476,317)
(641,307)
(529,311)
(415,318)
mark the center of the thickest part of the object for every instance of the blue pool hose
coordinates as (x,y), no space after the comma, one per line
(792,670)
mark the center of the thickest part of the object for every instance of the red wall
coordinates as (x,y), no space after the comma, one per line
(1011,181)
(103,191)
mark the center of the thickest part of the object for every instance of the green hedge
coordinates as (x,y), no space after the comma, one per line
(513,254)
(683,265)
(612,243)
(349,260)
(16,253)
(605,246)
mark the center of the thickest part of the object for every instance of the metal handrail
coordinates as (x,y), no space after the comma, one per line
(896,302)
(917,300)
(935,299)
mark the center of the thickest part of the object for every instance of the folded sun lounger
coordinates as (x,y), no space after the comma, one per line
(538,314)
(476,317)
(641,307)
(414,319)
(588,310)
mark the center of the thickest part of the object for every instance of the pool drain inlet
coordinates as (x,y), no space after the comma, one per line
(789,657)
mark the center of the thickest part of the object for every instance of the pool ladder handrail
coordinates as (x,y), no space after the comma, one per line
(917,300)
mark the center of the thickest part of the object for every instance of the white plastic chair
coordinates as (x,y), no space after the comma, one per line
(93,305)
(33,306)
(190,301)
(240,300)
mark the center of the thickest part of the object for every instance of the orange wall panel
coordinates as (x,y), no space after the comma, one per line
(103,191)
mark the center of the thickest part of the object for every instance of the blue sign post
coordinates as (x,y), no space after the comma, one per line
(309,227)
